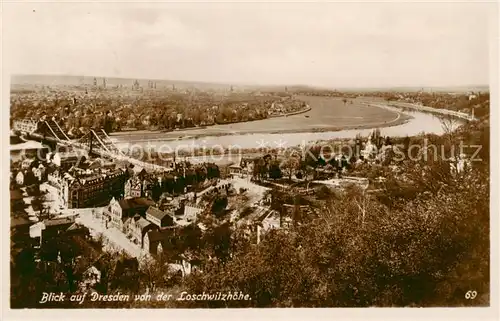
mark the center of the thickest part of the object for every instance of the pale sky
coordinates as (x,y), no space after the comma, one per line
(323,44)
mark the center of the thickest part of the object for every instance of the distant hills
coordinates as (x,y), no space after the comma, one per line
(454,89)
(70,80)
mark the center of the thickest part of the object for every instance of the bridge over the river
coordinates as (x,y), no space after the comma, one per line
(96,141)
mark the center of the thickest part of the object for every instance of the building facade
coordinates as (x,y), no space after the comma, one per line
(159,218)
(118,211)
(25,125)
(95,190)
(136,228)
(138,187)
(191,212)
(60,183)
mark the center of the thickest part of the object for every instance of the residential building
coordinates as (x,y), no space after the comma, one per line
(138,186)
(118,211)
(25,125)
(268,220)
(31,149)
(136,228)
(133,188)
(181,266)
(191,212)
(242,168)
(60,183)
(137,171)
(95,190)
(165,240)
(100,163)
(370,150)
(68,159)
(158,241)
(90,278)
(39,172)
(159,218)
(27,163)
(20,178)
(47,230)
(222,186)
(235,169)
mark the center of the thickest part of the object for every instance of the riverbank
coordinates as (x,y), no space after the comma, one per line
(426,109)
(173,132)
(322,115)
(328,119)
(402,120)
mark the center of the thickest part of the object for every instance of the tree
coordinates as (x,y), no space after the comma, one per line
(38,204)
(291,164)
(109,124)
(377,138)
(425,252)
(219,205)
(275,171)
(260,169)
(154,271)
(448,124)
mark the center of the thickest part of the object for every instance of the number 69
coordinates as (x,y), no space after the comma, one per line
(470,295)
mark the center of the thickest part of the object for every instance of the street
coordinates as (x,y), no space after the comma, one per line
(116,239)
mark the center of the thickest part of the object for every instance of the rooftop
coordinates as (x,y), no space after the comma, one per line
(91,178)
(135,202)
(27,145)
(161,235)
(137,169)
(66,155)
(155,212)
(59,221)
(143,223)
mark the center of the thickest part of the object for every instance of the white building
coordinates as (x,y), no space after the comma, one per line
(20,178)
(37,172)
(56,159)
(25,125)
(191,212)
(369,149)
(61,184)
(90,277)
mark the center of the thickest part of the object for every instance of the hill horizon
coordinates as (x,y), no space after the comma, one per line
(79,80)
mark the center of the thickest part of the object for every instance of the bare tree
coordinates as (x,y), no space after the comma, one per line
(448,124)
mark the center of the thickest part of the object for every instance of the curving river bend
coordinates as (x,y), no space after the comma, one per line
(329,118)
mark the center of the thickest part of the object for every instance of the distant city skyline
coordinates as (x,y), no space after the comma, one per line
(328,45)
(20,79)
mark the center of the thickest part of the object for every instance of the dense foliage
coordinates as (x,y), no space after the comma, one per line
(425,250)
(423,240)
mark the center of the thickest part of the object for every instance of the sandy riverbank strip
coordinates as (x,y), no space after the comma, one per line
(400,121)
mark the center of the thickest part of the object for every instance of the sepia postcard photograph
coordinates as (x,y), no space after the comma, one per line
(263,154)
